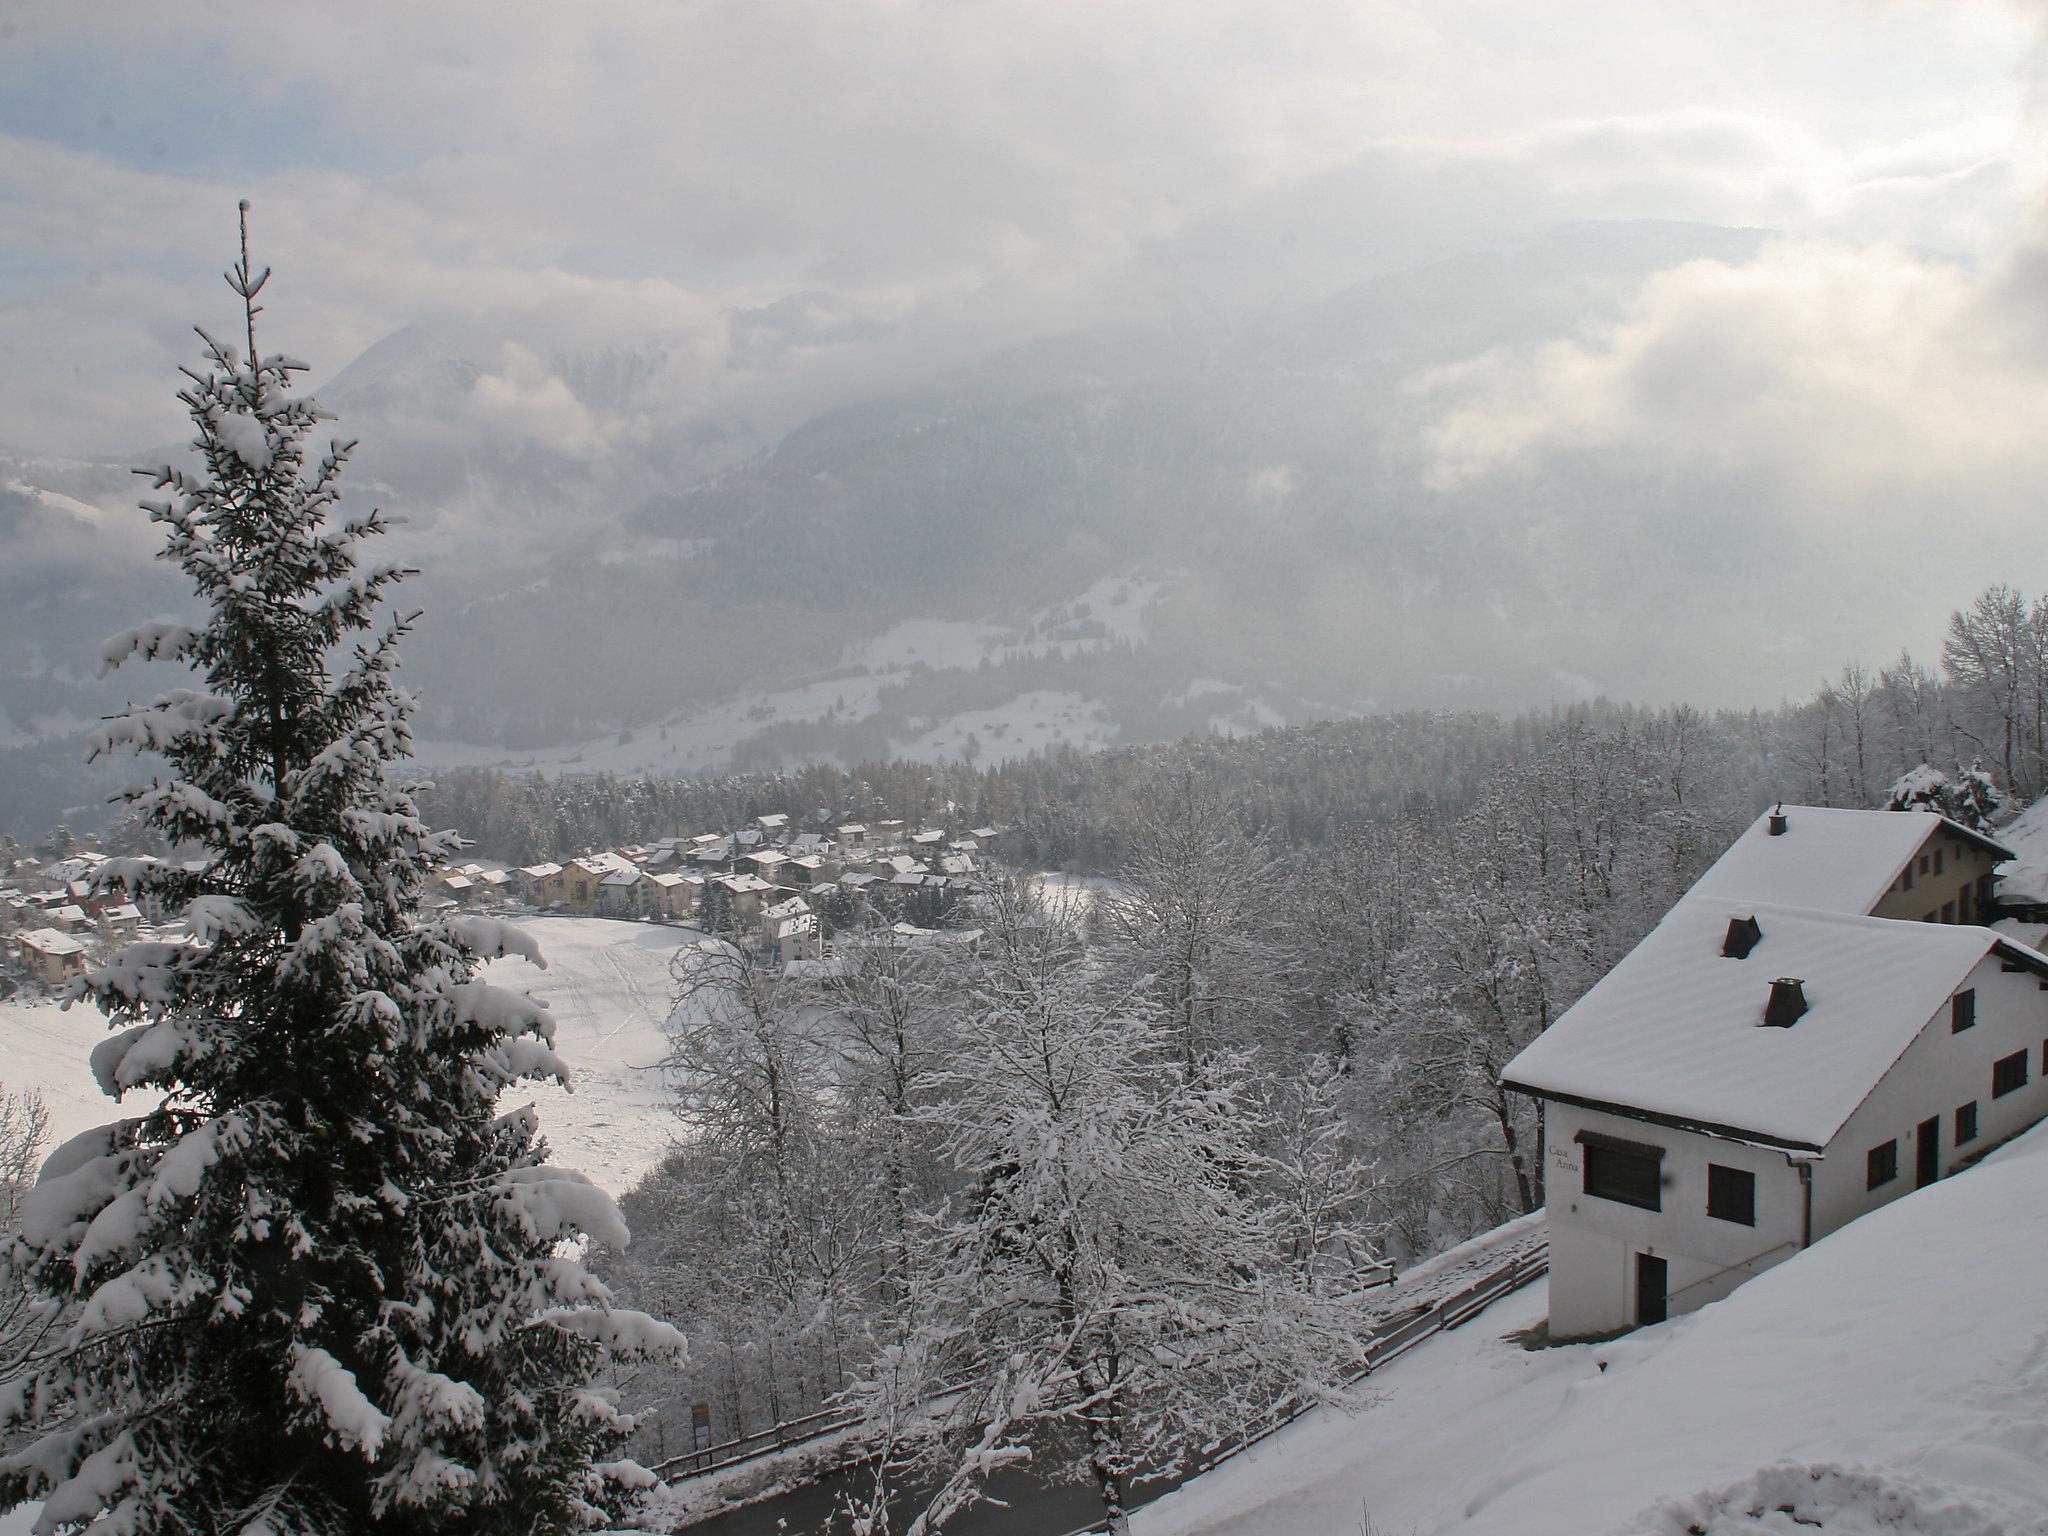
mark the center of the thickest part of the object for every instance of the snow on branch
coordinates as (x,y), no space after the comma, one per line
(620,1331)
(158,638)
(178,717)
(502,1012)
(557,1202)
(323,1382)
(491,939)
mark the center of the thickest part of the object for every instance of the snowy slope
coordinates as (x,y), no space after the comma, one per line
(1900,1367)
(606,982)
(44,1047)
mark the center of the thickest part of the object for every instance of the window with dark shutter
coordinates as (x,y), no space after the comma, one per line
(2008,1074)
(1962,1011)
(1882,1165)
(1966,1122)
(1631,1173)
(1731,1194)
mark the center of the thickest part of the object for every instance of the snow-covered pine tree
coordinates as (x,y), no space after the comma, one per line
(319,1291)
(1971,798)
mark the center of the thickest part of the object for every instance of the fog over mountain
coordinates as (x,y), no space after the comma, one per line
(1375,373)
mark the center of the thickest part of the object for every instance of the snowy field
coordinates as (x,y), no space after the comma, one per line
(607,984)
(44,1047)
(1892,1380)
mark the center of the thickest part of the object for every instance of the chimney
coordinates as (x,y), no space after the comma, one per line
(1744,934)
(1777,823)
(1787,1004)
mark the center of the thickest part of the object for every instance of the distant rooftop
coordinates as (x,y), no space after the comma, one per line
(1827,860)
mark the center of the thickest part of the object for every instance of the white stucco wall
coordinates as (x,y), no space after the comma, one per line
(1938,1072)
(1594,1241)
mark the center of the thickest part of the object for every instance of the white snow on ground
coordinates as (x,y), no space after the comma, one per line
(607,984)
(1030,722)
(44,1047)
(1899,1369)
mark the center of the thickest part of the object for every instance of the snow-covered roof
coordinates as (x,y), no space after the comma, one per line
(540,871)
(767,859)
(790,908)
(857,880)
(624,877)
(126,912)
(670,882)
(1676,1029)
(2025,876)
(984,833)
(741,885)
(774,821)
(51,942)
(493,876)
(1828,860)
(457,882)
(928,836)
(853,829)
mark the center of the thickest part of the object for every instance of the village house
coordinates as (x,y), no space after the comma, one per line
(624,893)
(853,838)
(796,940)
(541,884)
(50,957)
(747,893)
(1818,1027)
(121,920)
(583,877)
(673,895)
(767,863)
(67,918)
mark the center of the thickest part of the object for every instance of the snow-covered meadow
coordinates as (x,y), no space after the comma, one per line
(1893,1379)
(608,987)
(607,984)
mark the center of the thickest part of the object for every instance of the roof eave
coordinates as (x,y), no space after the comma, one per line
(1713,1128)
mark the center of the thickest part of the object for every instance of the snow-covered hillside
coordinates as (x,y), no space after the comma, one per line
(607,984)
(1893,1379)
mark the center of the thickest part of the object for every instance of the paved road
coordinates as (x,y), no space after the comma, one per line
(1029,1505)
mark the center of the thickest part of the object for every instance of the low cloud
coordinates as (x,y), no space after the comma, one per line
(1854,380)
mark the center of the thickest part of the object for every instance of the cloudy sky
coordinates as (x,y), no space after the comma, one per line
(809,199)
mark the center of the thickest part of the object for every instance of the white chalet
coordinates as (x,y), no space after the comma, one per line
(1816,1028)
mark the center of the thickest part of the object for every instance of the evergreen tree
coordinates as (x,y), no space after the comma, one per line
(317,1291)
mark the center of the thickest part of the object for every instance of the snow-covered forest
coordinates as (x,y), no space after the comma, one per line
(899,853)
